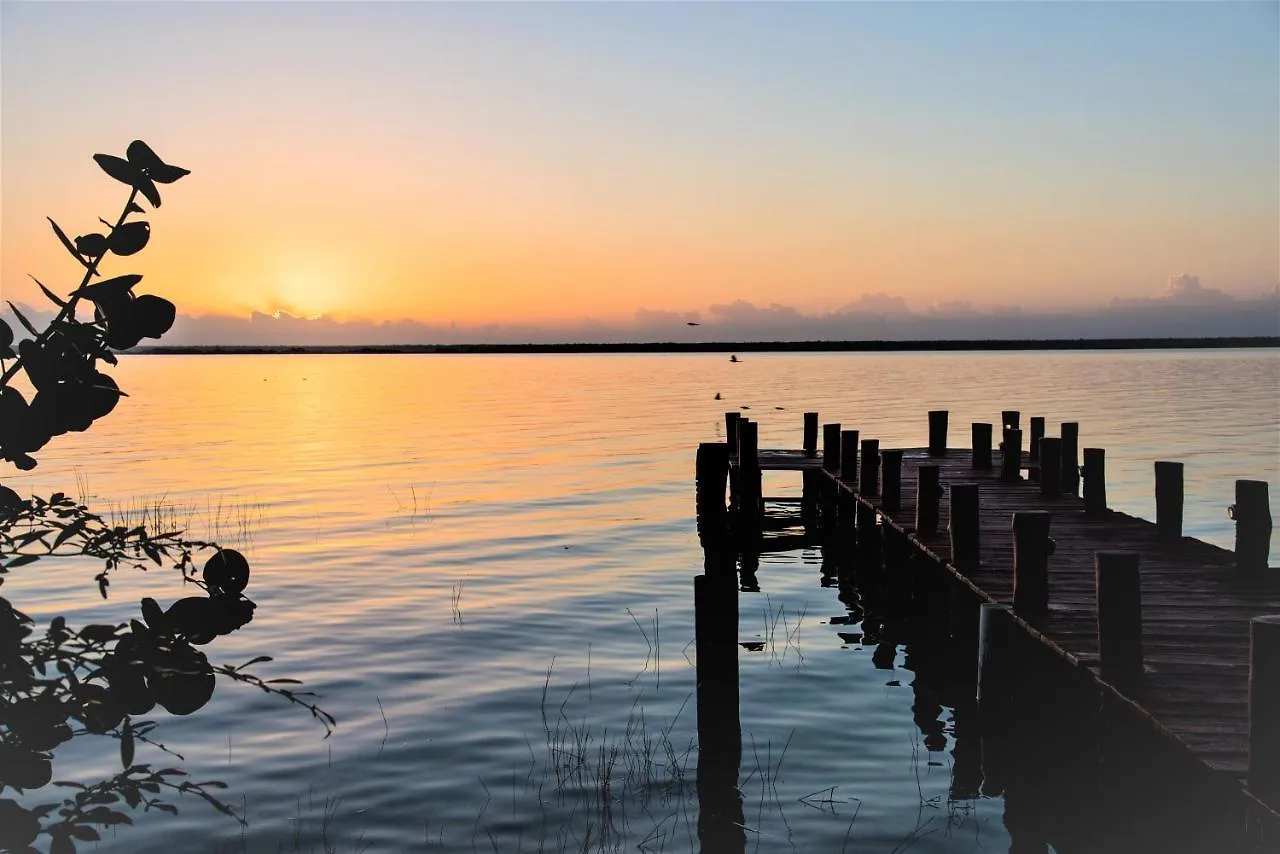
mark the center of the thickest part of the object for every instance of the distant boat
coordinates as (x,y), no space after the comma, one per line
(733,358)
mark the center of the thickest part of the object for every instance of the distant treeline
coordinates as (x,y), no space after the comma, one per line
(738,346)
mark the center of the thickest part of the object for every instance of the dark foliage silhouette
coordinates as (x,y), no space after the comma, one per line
(58,682)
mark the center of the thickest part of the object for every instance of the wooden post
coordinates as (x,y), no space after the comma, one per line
(868,535)
(995,676)
(1252,514)
(981,457)
(869,471)
(1010,419)
(1095,482)
(1031,550)
(1069,453)
(1264,706)
(831,447)
(712,470)
(938,433)
(928,494)
(1037,433)
(1119,594)
(1168,500)
(1011,456)
(749,480)
(731,433)
(848,455)
(811,434)
(964,525)
(891,479)
(1050,466)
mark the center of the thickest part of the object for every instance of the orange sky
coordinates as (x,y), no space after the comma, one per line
(456,163)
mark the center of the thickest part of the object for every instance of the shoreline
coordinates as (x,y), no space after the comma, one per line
(723,347)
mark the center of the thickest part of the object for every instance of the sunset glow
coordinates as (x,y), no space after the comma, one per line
(542,164)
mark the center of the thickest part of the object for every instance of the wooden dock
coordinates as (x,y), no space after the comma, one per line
(1180,629)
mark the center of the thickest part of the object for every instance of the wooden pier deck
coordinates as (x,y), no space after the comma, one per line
(1196,605)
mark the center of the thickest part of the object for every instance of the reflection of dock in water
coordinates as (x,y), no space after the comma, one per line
(1137,719)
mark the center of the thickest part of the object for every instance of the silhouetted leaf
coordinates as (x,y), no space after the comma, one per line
(155,315)
(130,237)
(126,744)
(21,319)
(91,245)
(148,162)
(148,190)
(84,832)
(117,285)
(66,241)
(6,339)
(54,298)
(122,170)
(133,208)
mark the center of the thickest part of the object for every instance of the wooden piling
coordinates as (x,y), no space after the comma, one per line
(928,494)
(1069,454)
(848,467)
(995,670)
(731,433)
(1119,601)
(751,501)
(831,447)
(811,434)
(1168,500)
(711,473)
(869,471)
(1050,466)
(1252,515)
(891,479)
(938,433)
(1031,550)
(1037,433)
(1011,456)
(1010,419)
(981,454)
(1264,707)
(964,525)
(1095,482)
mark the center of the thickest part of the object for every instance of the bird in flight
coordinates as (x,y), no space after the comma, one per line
(692,323)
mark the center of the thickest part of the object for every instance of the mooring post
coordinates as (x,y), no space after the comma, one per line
(995,665)
(1094,472)
(811,434)
(938,433)
(1031,549)
(749,475)
(869,471)
(731,433)
(1050,466)
(1264,707)
(831,447)
(891,479)
(1119,599)
(964,525)
(928,494)
(1168,500)
(1069,452)
(848,467)
(868,534)
(981,457)
(1010,419)
(1252,515)
(711,472)
(1037,433)
(1011,455)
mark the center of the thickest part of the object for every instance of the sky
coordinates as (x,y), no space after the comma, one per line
(577,166)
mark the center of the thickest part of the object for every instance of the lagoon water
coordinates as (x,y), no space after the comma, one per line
(483,564)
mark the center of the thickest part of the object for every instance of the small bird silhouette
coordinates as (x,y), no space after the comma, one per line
(692,323)
(733,358)
(744,406)
(779,407)
(717,395)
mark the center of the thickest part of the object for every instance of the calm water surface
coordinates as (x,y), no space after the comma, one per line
(484,565)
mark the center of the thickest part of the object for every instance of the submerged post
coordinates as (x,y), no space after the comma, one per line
(848,455)
(938,433)
(1095,482)
(831,447)
(1031,549)
(964,525)
(869,471)
(995,671)
(928,493)
(891,479)
(1119,594)
(1011,455)
(811,434)
(1252,515)
(1168,500)
(1070,457)
(1050,467)
(981,455)
(1264,706)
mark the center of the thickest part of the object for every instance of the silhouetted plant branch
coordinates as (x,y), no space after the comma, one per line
(99,677)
